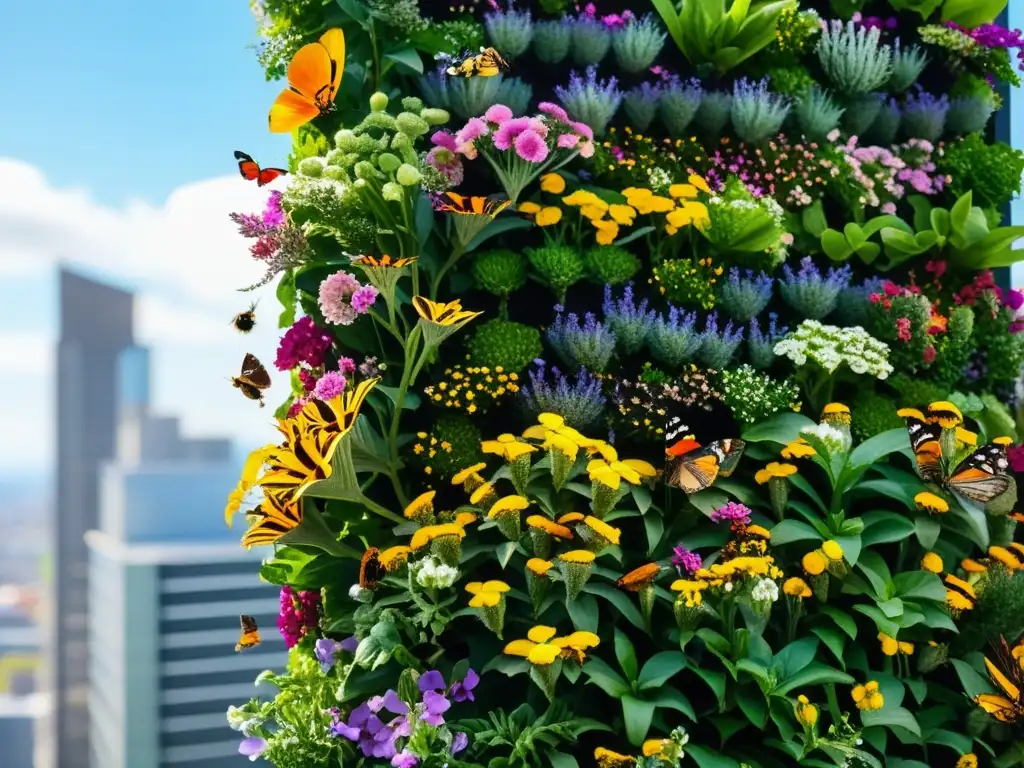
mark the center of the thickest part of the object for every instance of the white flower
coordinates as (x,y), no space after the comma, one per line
(765,590)
(434,575)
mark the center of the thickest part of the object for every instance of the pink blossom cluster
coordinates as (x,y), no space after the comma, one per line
(264,228)
(884,174)
(611,20)
(302,344)
(531,138)
(300,612)
(343,298)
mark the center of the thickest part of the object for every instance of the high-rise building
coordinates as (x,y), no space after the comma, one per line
(167,583)
(95,326)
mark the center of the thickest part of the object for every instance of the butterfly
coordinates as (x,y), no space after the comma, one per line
(370,569)
(960,595)
(314,76)
(253,379)
(1007,676)
(383,261)
(250,636)
(245,321)
(441,314)
(251,170)
(476,205)
(693,468)
(638,578)
(924,441)
(487,63)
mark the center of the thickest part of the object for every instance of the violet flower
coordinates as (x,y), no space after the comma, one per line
(252,747)
(924,115)
(327,652)
(462,690)
(375,737)
(673,339)
(761,346)
(733,512)
(589,100)
(459,742)
(629,322)
(580,402)
(685,560)
(745,295)
(809,292)
(718,347)
(589,345)
(434,706)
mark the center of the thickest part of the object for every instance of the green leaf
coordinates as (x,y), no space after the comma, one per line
(561,760)
(410,403)
(842,619)
(919,585)
(882,527)
(815,673)
(927,529)
(873,566)
(654,525)
(796,656)
(709,758)
(834,640)
(626,607)
(883,623)
(715,681)
(634,235)
(971,522)
(626,655)
(892,716)
(605,678)
(813,220)
(637,713)
(789,531)
(670,698)
(972,13)
(751,700)
(408,58)
(497,227)
(584,613)
(288,295)
(507,665)
(879,446)
(642,497)
(835,245)
(973,682)
(781,428)
(660,668)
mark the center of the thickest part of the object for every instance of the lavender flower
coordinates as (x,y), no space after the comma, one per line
(629,322)
(590,100)
(510,31)
(252,747)
(551,40)
(641,105)
(673,339)
(744,296)
(757,113)
(811,294)
(685,560)
(591,40)
(589,346)
(717,348)
(968,114)
(924,115)
(638,43)
(733,512)
(679,103)
(581,403)
(327,652)
(761,346)
(714,111)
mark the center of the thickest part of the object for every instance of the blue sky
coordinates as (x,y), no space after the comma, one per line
(115,150)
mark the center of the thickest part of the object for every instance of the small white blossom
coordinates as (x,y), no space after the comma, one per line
(831,347)
(434,575)
(765,590)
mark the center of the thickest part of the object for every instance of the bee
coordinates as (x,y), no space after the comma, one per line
(253,379)
(245,321)
(487,63)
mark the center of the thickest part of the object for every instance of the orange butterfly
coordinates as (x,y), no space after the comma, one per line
(251,170)
(924,440)
(693,468)
(1007,706)
(370,569)
(314,76)
(476,205)
(250,636)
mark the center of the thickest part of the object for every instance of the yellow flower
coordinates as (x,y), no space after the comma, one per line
(637,195)
(867,697)
(689,591)
(462,519)
(508,504)
(906,648)
(796,587)
(889,645)
(972,566)
(960,595)
(481,493)
(613,473)
(422,505)
(602,529)
(970,760)
(536,649)
(553,183)
(622,214)
(486,594)
(581,197)
(548,216)
(528,208)
(774,469)
(683,190)
(832,550)
(966,437)
(806,713)
(1005,557)
(932,563)
(814,563)
(539,567)
(571,517)
(579,556)
(605,758)
(557,442)
(461,477)
(394,558)
(653,747)
(541,523)
(574,646)
(607,231)
(699,183)
(507,446)
(427,534)
(757,530)
(1003,440)
(798,449)
(931,503)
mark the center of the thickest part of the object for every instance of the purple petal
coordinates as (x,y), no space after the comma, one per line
(349,644)
(460,742)
(252,747)
(395,705)
(434,720)
(431,681)
(375,703)
(404,759)
(401,727)
(347,731)
(360,715)
(463,690)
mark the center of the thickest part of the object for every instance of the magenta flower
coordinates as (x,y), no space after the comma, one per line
(733,512)
(346,366)
(583,130)
(338,298)
(363,299)
(404,759)
(509,130)
(471,131)
(497,113)
(568,140)
(302,343)
(300,612)
(444,140)
(330,386)
(685,560)
(273,215)
(531,147)
(1016,456)
(554,111)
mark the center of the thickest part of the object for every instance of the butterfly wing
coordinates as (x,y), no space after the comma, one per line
(248,167)
(981,477)
(730,453)
(290,110)
(924,440)
(254,373)
(311,71)
(333,41)
(267,175)
(370,569)
(490,63)
(250,636)
(694,471)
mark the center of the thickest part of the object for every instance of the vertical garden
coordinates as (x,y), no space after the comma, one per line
(654,389)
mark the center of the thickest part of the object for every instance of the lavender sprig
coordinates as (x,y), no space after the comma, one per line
(630,322)
(674,339)
(641,105)
(744,296)
(679,103)
(761,346)
(757,113)
(590,100)
(811,294)
(924,115)
(589,345)
(581,403)
(717,348)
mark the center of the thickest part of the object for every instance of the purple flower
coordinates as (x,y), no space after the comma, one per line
(329,386)
(434,706)
(337,292)
(463,689)
(581,403)
(431,681)
(252,747)
(810,293)
(459,742)
(302,343)
(734,512)
(273,214)
(363,299)
(685,560)
(300,612)
(443,140)
(349,644)
(388,701)
(327,651)
(530,146)
(376,738)
(404,759)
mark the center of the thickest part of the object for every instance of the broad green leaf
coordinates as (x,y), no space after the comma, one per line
(715,681)
(660,668)
(642,497)
(842,619)
(971,522)
(634,235)
(882,527)
(408,58)
(972,13)
(410,402)
(637,713)
(789,531)
(927,529)
(882,622)
(670,698)
(751,700)
(497,227)
(626,655)
(974,683)
(835,245)
(507,665)
(605,678)
(873,566)
(561,760)
(892,716)
(654,526)
(781,428)
(892,608)
(584,613)
(622,602)
(796,656)
(706,757)
(919,585)
(834,640)
(814,673)
(879,446)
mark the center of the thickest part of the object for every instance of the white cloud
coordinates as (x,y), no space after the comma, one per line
(186,261)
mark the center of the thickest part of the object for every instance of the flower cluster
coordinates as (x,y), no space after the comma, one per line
(472,388)
(830,347)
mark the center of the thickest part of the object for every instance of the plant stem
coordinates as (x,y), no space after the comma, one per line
(457,252)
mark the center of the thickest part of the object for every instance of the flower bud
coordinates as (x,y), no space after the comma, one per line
(388,163)
(379,102)
(408,175)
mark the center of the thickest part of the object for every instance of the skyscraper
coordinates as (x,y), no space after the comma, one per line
(95,326)
(167,582)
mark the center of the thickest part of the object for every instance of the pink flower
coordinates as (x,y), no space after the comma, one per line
(346,366)
(336,293)
(929,354)
(1016,456)
(363,299)
(497,113)
(903,329)
(537,124)
(889,208)
(296,407)
(531,147)
(890,288)
(509,130)
(582,129)
(443,139)
(587,149)
(472,130)
(331,385)
(302,343)
(553,110)
(568,140)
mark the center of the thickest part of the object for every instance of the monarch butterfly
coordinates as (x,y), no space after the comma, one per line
(693,468)
(245,321)
(479,206)
(253,379)
(487,63)
(1007,676)
(250,636)
(924,441)
(251,170)
(314,76)
(370,569)
(638,578)
(383,261)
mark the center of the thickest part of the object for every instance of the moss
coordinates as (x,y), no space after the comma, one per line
(791,81)
(991,172)
(873,413)
(913,391)
(556,266)
(610,265)
(452,445)
(499,271)
(505,343)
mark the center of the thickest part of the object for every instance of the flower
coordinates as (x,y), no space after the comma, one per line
(806,713)
(548,216)
(404,759)
(970,760)
(734,512)
(299,613)
(814,563)
(462,690)
(606,532)
(252,747)
(796,587)
(685,560)
(1005,557)
(432,574)
(302,343)
(932,563)
(421,508)
(867,697)
(832,550)
(446,315)
(798,449)
(929,502)
(329,386)
(544,525)
(536,648)
(507,446)
(327,652)
(774,469)
(337,293)
(462,476)
(611,474)
(538,566)
(530,146)
(486,594)
(605,758)
(553,183)
(960,595)
(506,513)
(427,534)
